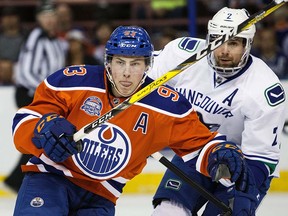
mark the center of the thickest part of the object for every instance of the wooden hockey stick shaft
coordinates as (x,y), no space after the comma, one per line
(180,68)
(253,19)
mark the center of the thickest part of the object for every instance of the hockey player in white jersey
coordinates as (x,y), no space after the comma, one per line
(236,94)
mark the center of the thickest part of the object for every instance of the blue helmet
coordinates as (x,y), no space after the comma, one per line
(129,41)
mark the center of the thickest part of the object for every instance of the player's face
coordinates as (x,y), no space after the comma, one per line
(229,54)
(127,72)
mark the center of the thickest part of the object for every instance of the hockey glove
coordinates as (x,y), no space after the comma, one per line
(226,161)
(241,203)
(54,134)
(246,201)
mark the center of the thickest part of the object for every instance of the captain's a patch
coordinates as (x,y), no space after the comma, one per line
(275,94)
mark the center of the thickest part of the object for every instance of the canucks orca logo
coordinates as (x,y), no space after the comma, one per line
(106,151)
(92,106)
(188,44)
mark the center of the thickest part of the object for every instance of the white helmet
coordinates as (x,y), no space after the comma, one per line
(221,23)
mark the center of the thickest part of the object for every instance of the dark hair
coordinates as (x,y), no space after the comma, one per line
(45,6)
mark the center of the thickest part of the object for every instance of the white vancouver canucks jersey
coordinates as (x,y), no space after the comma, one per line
(248,108)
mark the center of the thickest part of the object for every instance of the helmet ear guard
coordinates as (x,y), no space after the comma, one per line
(220,24)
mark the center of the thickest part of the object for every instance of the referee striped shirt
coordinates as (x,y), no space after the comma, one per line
(39,57)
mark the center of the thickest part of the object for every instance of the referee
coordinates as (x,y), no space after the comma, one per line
(40,55)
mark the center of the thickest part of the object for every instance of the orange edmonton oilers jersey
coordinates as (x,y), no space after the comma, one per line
(116,151)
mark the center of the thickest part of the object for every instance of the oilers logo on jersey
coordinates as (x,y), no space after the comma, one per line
(106,151)
(92,106)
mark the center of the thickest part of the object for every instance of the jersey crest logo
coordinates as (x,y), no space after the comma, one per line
(92,106)
(37,202)
(106,151)
(275,94)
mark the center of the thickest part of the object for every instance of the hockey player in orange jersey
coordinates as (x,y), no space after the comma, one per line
(61,179)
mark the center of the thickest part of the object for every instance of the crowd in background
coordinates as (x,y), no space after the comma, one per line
(271,42)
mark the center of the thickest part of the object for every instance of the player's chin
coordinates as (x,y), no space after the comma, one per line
(126,92)
(226,65)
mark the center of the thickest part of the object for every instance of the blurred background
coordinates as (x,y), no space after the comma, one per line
(84,27)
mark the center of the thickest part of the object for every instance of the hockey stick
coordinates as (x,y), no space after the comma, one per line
(169,75)
(180,68)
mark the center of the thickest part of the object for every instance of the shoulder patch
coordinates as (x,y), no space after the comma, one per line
(188,44)
(275,94)
(92,106)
